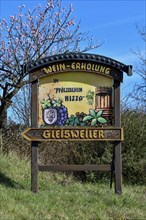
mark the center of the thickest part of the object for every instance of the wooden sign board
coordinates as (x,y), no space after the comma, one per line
(73,134)
(76,97)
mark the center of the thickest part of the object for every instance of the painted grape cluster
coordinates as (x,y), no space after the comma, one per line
(62,115)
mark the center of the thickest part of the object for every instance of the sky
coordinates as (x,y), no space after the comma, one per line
(112,22)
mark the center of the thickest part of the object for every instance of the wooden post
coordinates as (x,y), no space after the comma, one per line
(34,167)
(34,145)
(117,144)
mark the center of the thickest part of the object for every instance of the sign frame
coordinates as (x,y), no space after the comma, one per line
(35,71)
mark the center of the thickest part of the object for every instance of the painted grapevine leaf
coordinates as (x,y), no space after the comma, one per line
(102,120)
(88,117)
(92,113)
(83,123)
(43,101)
(71,123)
(90,102)
(90,97)
(44,105)
(76,120)
(48,103)
(99,113)
(57,102)
(93,122)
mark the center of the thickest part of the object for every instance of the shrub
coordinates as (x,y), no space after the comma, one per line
(134,147)
(133,150)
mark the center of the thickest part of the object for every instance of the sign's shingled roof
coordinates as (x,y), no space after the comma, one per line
(79,56)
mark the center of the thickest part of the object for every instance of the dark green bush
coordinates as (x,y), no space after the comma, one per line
(133,150)
(13,141)
(134,147)
(89,153)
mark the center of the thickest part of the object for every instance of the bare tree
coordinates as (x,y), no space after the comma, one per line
(138,94)
(21,108)
(31,35)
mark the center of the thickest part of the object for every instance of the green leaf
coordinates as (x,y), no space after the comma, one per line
(48,103)
(71,123)
(99,113)
(102,120)
(44,101)
(90,102)
(44,106)
(76,120)
(88,117)
(71,119)
(83,123)
(92,113)
(93,122)
(58,105)
(67,121)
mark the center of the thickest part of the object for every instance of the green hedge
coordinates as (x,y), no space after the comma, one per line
(133,150)
(134,147)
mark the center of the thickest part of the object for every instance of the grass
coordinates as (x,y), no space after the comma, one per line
(60,197)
